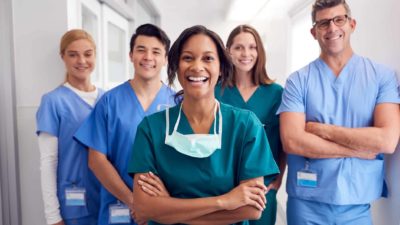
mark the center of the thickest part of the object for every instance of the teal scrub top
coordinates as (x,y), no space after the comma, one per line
(264,102)
(244,154)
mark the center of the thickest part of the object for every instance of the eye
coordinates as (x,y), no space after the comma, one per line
(208,58)
(156,52)
(71,54)
(186,58)
(253,47)
(237,47)
(88,54)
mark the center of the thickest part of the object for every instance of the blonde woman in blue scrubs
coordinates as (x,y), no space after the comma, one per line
(70,190)
(211,158)
(251,88)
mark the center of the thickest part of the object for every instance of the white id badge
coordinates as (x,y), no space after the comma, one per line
(119,213)
(75,196)
(307,178)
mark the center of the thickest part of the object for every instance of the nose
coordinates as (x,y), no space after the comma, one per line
(148,55)
(81,59)
(197,66)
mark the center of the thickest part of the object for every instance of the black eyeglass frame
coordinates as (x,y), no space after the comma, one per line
(317,24)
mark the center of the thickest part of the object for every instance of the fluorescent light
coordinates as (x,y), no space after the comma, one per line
(245,10)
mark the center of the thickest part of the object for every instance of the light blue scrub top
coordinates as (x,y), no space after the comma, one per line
(348,100)
(244,154)
(111,130)
(60,114)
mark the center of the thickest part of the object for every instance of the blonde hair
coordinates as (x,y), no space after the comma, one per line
(74,35)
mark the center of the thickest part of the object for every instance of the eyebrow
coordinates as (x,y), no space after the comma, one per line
(144,47)
(75,51)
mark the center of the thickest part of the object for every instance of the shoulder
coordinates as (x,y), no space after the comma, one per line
(54,96)
(377,68)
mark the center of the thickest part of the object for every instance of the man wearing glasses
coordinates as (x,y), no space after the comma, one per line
(339,115)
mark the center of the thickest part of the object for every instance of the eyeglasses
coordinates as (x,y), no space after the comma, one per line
(337,20)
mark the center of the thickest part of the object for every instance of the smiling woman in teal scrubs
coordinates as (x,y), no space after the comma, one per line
(212,158)
(250,88)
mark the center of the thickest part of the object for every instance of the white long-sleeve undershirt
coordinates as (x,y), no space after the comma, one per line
(48,146)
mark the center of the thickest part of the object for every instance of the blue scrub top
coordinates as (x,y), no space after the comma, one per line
(60,114)
(348,100)
(111,129)
(244,154)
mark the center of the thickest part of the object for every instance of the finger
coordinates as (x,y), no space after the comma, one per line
(258,199)
(148,191)
(259,192)
(155,177)
(152,181)
(253,201)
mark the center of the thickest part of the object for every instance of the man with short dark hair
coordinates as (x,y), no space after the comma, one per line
(338,116)
(110,129)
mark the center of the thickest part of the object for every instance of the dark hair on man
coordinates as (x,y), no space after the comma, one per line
(150,30)
(324,4)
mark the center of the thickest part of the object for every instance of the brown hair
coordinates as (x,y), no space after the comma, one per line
(74,35)
(324,4)
(259,72)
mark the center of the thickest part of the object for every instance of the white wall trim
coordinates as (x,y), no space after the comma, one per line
(10,203)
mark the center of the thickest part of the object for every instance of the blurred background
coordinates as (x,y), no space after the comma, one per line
(31,66)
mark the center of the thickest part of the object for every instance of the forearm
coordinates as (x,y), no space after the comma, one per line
(224,217)
(168,210)
(109,177)
(48,146)
(379,140)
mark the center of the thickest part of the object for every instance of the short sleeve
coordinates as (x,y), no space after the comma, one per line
(47,117)
(256,159)
(142,158)
(388,88)
(292,97)
(93,131)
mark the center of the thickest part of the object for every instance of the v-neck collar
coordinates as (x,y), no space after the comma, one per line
(237,92)
(153,106)
(72,93)
(343,76)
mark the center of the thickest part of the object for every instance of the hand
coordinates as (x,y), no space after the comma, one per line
(152,185)
(365,154)
(250,193)
(139,221)
(59,223)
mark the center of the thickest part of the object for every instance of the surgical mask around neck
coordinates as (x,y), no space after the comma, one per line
(195,145)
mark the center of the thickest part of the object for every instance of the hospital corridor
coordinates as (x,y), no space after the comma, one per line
(33,63)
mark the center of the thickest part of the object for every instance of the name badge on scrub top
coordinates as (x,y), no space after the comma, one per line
(75,196)
(306,177)
(119,213)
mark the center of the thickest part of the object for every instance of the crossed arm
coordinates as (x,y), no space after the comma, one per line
(152,202)
(317,140)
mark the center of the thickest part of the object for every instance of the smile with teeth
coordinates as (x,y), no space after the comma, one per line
(197,79)
(148,66)
(245,61)
(332,38)
(81,68)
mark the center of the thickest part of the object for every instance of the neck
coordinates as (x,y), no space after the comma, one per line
(243,79)
(145,88)
(199,111)
(337,62)
(82,85)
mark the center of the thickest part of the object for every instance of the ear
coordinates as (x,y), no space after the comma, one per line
(353,24)
(131,56)
(313,33)
(166,61)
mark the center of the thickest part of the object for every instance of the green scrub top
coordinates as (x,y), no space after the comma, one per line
(264,103)
(244,154)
